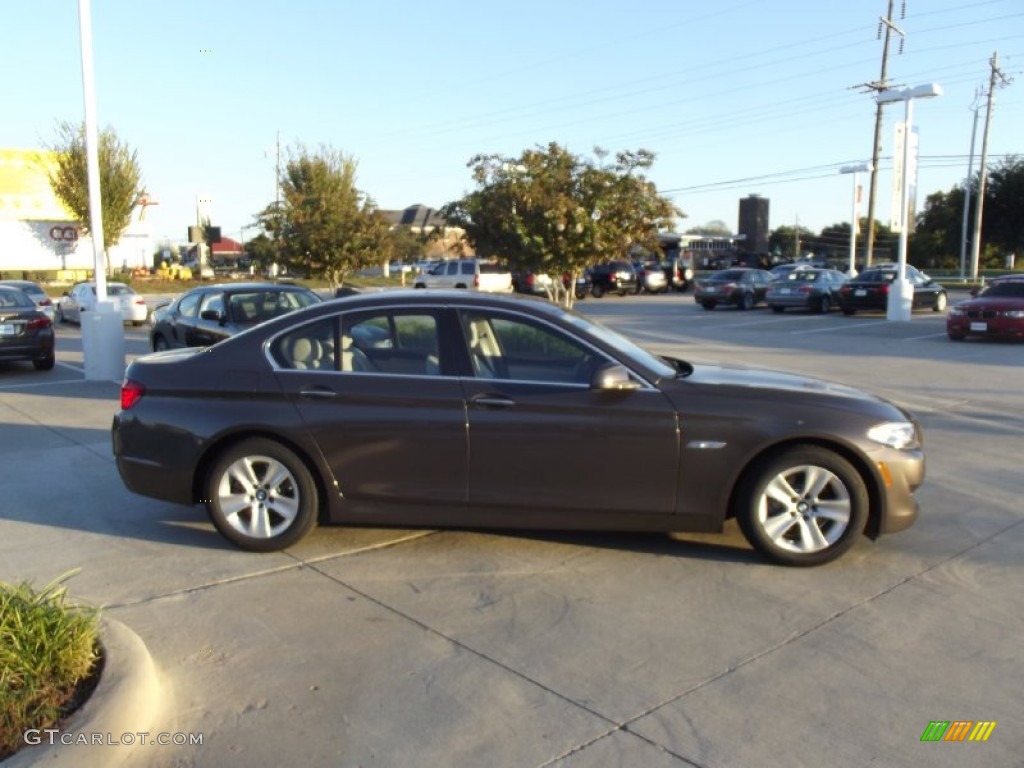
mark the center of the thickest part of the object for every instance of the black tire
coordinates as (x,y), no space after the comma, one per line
(824,305)
(581,295)
(420,285)
(848,310)
(777,309)
(940,302)
(827,512)
(45,363)
(598,291)
(956,336)
(160,343)
(260,518)
(747,301)
(58,315)
(708,305)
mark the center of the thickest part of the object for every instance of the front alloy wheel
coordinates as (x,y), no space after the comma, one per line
(261,496)
(940,302)
(805,506)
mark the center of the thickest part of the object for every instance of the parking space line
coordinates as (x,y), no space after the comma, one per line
(839,328)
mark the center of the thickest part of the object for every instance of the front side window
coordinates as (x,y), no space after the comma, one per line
(513,348)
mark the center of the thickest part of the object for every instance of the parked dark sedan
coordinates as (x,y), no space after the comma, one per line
(613,277)
(739,286)
(26,333)
(311,417)
(996,312)
(212,313)
(813,289)
(870,290)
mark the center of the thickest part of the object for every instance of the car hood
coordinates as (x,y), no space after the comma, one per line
(742,376)
(999,303)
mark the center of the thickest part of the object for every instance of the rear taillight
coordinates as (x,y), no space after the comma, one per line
(140,301)
(476,281)
(884,290)
(45,303)
(805,289)
(131,393)
(38,324)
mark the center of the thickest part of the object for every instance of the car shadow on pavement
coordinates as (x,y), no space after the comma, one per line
(728,546)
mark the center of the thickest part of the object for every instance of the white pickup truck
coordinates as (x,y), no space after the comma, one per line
(475,274)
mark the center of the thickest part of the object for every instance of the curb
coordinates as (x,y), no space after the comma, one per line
(126,701)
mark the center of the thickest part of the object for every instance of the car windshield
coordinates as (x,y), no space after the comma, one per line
(1010,288)
(117,289)
(728,274)
(878,276)
(12,297)
(802,276)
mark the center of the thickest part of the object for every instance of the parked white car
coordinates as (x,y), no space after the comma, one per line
(82,298)
(475,274)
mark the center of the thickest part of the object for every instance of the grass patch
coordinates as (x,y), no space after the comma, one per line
(49,657)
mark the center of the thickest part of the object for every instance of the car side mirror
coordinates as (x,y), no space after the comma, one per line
(212,314)
(613,376)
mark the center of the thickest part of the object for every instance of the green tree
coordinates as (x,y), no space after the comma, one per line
(552,211)
(1003,224)
(120,179)
(790,242)
(324,224)
(938,231)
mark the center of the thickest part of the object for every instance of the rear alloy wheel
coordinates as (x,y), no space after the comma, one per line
(940,302)
(805,506)
(825,305)
(261,496)
(747,301)
(598,291)
(160,343)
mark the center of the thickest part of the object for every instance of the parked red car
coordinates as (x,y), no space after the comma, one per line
(996,312)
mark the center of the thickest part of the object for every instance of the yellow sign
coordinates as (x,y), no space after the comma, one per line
(25,193)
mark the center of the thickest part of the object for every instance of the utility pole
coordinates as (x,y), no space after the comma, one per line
(982,173)
(880,85)
(965,232)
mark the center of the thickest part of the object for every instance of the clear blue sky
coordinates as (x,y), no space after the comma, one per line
(734,97)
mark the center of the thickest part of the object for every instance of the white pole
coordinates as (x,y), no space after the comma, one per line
(102,328)
(901,295)
(92,154)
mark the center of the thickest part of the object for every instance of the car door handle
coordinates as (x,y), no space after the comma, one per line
(492,401)
(317,393)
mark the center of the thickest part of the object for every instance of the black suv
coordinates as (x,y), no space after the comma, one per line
(613,277)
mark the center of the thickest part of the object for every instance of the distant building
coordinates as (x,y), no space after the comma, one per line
(39,235)
(753,223)
(422,220)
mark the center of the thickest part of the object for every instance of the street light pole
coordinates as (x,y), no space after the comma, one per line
(855,170)
(901,295)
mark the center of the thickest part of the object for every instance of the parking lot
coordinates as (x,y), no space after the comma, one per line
(363,647)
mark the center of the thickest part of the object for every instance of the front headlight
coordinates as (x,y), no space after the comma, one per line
(956,312)
(1014,314)
(900,435)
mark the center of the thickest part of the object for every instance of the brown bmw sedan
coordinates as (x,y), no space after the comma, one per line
(423,408)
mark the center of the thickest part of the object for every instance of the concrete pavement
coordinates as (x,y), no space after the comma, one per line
(365,647)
